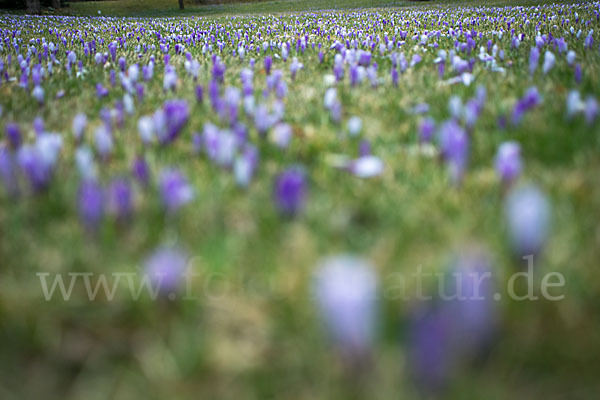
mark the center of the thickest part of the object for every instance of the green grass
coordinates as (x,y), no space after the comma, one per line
(262,338)
(164,8)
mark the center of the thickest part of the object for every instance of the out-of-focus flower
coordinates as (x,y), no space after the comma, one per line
(534,58)
(38,160)
(170,120)
(141,171)
(591,110)
(145,127)
(454,147)
(508,161)
(8,171)
(104,141)
(531,99)
(354,125)
(91,204)
(175,190)
(268,63)
(426,130)
(289,192)
(245,165)
(527,212)
(345,290)
(78,126)
(13,135)
(120,199)
(84,160)
(367,166)
(549,60)
(38,94)
(166,268)
(282,135)
(454,328)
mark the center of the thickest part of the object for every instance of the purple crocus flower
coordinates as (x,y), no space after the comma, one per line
(141,171)
(534,57)
(426,130)
(120,199)
(8,171)
(101,91)
(176,114)
(245,164)
(345,290)
(78,126)
(38,126)
(289,192)
(166,268)
(91,204)
(508,162)
(455,327)
(454,147)
(577,73)
(104,141)
(13,135)
(175,190)
(528,218)
(37,161)
(268,63)
(531,99)
(591,110)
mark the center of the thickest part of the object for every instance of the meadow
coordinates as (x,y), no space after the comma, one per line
(272,149)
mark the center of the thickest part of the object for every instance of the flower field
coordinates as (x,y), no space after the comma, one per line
(251,206)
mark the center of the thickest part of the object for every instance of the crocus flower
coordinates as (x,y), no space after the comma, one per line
(13,135)
(282,135)
(508,161)
(534,57)
(170,78)
(101,91)
(166,268)
(268,63)
(84,160)
(454,147)
(38,160)
(175,190)
(591,110)
(145,127)
(91,204)
(426,130)
(78,126)
(38,126)
(367,166)
(456,326)
(531,99)
(345,290)
(549,60)
(354,125)
(289,192)
(141,171)
(528,218)
(574,104)
(38,94)
(244,165)
(175,114)
(8,171)
(120,199)
(104,141)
